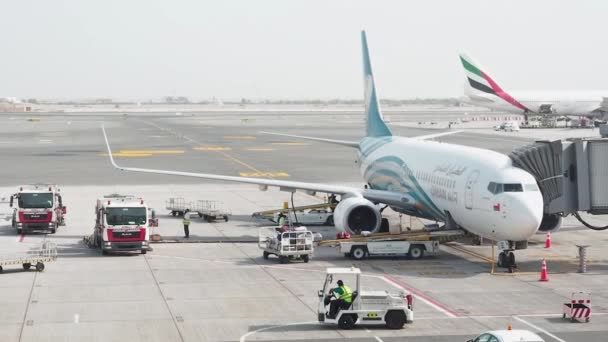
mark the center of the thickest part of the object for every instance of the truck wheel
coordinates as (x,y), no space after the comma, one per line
(54,230)
(346,322)
(39,267)
(200,215)
(265,255)
(330,220)
(19,231)
(104,252)
(305,258)
(416,252)
(283,259)
(173,213)
(144,251)
(0,269)
(358,252)
(395,319)
(27,266)
(226,218)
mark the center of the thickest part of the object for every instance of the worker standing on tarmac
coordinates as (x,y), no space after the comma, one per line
(344,298)
(186,222)
(282,220)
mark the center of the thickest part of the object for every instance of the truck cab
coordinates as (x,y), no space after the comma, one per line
(37,207)
(122,224)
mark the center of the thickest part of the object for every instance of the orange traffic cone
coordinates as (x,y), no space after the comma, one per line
(548,240)
(544,275)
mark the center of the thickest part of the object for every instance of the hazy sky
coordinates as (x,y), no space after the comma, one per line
(294,49)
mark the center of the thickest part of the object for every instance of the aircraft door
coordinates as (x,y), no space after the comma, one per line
(469,189)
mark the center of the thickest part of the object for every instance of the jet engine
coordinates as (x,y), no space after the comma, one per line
(550,223)
(357,214)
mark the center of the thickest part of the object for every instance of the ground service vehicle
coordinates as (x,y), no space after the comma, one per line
(414,244)
(121,224)
(318,216)
(296,244)
(39,207)
(508,336)
(368,307)
(47,252)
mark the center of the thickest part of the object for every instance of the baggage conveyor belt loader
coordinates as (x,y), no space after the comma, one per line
(413,244)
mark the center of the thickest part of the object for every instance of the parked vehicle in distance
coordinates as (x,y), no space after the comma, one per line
(508,336)
(510,126)
(312,217)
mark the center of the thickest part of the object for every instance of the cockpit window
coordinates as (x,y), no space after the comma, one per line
(531,187)
(514,187)
(497,188)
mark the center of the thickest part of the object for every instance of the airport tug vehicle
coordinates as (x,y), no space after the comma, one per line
(121,224)
(39,207)
(367,307)
(294,243)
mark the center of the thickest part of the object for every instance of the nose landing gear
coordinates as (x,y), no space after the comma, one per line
(506,257)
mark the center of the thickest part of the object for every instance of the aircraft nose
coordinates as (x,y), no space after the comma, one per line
(526,217)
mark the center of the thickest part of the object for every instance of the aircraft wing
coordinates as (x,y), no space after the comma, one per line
(377,196)
(331,141)
(435,135)
(284,185)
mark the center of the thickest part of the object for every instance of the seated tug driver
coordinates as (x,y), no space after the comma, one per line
(343,300)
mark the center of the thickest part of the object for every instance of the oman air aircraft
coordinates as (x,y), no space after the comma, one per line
(482,90)
(471,188)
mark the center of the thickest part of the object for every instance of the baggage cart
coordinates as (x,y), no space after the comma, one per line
(178,205)
(211,210)
(47,252)
(295,244)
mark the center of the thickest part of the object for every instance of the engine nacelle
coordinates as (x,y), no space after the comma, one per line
(356,214)
(550,223)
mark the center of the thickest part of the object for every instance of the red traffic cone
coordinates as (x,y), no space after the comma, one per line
(548,240)
(544,275)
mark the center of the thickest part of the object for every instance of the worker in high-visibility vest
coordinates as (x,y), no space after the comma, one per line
(343,300)
(282,220)
(186,222)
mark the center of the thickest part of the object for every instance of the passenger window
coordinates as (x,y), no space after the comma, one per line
(513,188)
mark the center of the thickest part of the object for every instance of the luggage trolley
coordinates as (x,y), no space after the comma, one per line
(579,308)
(37,257)
(287,245)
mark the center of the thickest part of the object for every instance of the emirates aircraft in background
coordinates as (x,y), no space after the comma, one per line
(482,90)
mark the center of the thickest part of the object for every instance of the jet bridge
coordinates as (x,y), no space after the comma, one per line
(572,176)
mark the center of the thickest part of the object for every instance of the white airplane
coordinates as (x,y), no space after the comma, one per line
(472,188)
(483,91)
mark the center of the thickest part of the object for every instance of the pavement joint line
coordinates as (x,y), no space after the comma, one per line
(378,339)
(538,329)
(181,337)
(27,307)
(245,336)
(464,250)
(424,298)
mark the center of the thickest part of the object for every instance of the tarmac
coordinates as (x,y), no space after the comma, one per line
(222,290)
